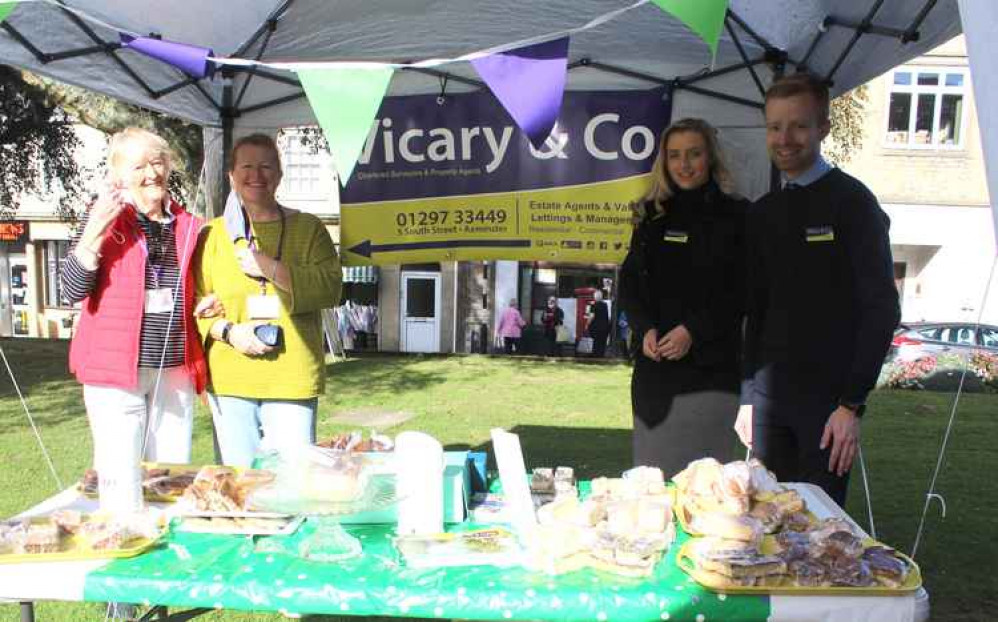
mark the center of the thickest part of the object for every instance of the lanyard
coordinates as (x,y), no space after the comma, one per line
(154,259)
(253,245)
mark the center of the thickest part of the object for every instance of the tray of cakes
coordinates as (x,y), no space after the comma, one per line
(827,559)
(163,483)
(215,502)
(753,535)
(67,535)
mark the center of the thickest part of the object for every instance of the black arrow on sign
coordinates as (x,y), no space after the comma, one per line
(366,249)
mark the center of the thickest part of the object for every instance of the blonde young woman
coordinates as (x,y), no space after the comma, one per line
(136,349)
(681,288)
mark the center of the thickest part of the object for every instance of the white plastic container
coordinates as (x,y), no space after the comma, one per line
(419,462)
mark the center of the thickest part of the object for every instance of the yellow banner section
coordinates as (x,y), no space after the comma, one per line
(589,223)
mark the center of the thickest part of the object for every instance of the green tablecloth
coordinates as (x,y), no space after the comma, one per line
(198,570)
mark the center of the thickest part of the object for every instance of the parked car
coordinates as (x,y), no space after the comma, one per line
(920,339)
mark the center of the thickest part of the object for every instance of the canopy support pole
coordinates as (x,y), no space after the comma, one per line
(228,115)
(722,96)
(745,59)
(707,75)
(73,17)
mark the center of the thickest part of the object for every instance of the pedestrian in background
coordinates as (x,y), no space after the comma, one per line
(510,328)
(599,324)
(551,319)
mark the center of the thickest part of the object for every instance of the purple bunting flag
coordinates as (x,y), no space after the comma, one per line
(190,59)
(530,83)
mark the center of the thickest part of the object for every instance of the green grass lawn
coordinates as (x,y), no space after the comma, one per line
(567,413)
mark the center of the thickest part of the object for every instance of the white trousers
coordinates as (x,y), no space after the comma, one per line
(122,421)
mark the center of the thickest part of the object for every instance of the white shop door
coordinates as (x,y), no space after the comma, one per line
(420,330)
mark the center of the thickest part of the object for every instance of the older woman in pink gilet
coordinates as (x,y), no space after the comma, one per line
(509,328)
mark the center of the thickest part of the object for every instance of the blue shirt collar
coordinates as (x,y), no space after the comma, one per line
(811,175)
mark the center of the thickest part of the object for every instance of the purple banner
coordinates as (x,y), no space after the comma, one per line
(467,144)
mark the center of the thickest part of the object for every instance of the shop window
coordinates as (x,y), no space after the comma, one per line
(55,254)
(926,108)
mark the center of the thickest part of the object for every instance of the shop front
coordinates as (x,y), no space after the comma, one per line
(572,286)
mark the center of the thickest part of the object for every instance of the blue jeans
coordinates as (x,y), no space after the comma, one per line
(245,425)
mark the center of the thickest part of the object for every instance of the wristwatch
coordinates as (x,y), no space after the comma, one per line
(225,331)
(857,409)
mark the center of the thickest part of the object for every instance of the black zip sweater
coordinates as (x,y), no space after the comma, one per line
(821,301)
(686,267)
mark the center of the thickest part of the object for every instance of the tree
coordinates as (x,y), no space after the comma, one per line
(847,113)
(58,106)
(38,146)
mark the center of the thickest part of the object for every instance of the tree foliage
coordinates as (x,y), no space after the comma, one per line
(111,115)
(847,113)
(37,146)
(40,144)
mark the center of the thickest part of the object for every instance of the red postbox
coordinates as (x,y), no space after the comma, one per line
(584,298)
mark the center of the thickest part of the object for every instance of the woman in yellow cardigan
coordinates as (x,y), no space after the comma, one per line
(273,269)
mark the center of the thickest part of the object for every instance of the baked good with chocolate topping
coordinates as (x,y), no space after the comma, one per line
(749,565)
(847,571)
(807,572)
(792,546)
(887,569)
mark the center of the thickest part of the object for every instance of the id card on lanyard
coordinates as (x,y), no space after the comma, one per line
(264,306)
(158,299)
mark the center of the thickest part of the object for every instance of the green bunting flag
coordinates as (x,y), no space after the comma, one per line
(5,9)
(704,17)
(345,102)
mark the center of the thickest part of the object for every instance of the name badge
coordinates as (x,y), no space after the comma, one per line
(676,237)
(824,233)
(159,300)
(263,307)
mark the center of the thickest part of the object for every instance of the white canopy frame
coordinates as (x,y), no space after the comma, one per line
(847,42)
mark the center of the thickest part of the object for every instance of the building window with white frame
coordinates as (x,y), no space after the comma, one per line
(926,107)
(309,179)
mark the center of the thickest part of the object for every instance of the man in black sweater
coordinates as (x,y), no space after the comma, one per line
(821,301)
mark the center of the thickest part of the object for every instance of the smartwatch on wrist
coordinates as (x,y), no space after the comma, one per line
(857,409)
(225,331)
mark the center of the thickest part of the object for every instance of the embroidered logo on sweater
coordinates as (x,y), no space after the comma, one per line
(824,233)
(676,237)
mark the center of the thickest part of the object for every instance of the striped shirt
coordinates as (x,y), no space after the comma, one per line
(161,271)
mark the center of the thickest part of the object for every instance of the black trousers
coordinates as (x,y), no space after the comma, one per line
(599,342)
(788,420)
(551,341)
(511,344)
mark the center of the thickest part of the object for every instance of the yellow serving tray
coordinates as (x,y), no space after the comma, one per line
(73,548)
(716,583)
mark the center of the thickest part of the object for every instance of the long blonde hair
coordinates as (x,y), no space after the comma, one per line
(662,188)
